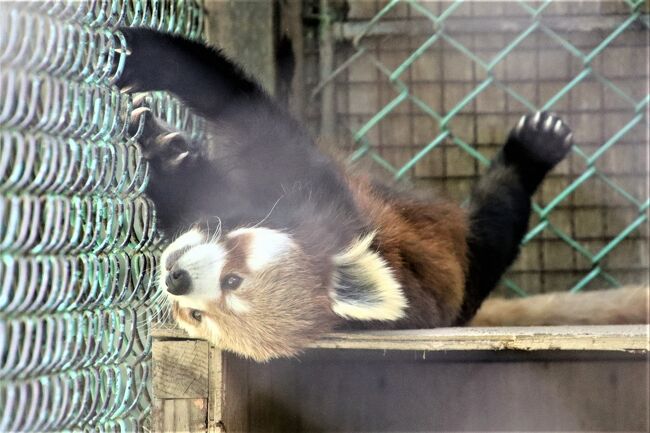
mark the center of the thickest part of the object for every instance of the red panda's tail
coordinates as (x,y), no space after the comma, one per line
(627,305)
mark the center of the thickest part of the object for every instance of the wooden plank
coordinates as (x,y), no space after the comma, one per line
(236,406)
(292,22)
(372,393)
(167,331)
(216,394)
(607,338)
(180,369)
(180,415)
(326,64)
(610,337)
(245,31)
(227,401)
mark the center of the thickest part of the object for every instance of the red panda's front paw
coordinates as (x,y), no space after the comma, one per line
(155,138)
(541,139)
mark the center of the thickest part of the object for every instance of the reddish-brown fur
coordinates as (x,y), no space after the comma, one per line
(425,246)
(237,248)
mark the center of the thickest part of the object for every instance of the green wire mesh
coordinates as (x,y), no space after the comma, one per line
(382,64)
(78,246)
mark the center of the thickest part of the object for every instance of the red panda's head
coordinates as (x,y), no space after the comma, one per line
(255,292)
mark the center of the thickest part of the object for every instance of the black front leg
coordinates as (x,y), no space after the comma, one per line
(500,203)
(256,163)
(189,181)
(200,75)
(178,172)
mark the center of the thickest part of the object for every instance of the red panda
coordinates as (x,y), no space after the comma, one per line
(275,244)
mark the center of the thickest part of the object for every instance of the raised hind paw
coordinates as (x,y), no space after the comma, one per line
(541,139)
(156,139)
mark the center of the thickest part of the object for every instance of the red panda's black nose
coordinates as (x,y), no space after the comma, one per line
(178,282)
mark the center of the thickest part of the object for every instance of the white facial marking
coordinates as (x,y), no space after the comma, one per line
(236,304)
(203,263)
(187,239)
(266,246)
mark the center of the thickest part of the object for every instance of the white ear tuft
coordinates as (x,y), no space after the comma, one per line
(364,286)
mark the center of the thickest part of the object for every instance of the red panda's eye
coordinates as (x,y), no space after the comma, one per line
(231,282)
(196,315)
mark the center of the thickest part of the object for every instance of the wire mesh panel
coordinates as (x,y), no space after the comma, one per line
(426,92)
(77,237)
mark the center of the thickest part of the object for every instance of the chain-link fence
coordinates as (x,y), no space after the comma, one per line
(426,92)
(77,237)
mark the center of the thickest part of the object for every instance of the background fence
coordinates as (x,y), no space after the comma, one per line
(426,92)
(77,238)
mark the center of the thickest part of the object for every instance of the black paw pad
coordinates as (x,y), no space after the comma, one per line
(540,138)
(156,139)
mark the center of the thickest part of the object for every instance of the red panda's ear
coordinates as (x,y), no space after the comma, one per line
(364,287)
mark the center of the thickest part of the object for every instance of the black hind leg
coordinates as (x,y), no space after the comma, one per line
(500,203)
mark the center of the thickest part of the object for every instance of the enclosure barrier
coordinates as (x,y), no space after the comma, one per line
(78,248)
(386,86)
